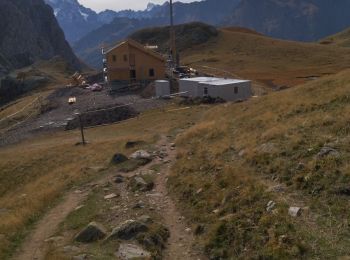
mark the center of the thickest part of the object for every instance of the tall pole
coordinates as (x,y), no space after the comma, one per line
(172,36)
(82,130)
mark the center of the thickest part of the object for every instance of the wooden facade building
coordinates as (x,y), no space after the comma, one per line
(131,61)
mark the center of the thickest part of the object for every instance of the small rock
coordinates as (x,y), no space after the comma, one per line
(71,249)
(81,257)
(277,188)
(172,145)
(128,230)
(294,211)
(199,191)
(328,151)
(141,154)
(140,184)
(91,233)
(119,158)
(300,166)
(188,230)
(216,211)
(119,179)
(110,196)
(270,206)
(139,205)
(145,219)
(56,239)
(227,217)
(131,251)
(241,153)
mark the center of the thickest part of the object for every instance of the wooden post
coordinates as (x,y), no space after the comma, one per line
(82,130)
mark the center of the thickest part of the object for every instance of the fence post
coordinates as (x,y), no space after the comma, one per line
(81,129)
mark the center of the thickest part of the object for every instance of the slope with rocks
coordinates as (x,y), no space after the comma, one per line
(30,32)
(269,178)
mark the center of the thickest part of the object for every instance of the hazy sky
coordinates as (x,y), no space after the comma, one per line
(100,5)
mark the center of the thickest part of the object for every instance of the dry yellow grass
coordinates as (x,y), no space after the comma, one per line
(239,151)
(36,172)
(268,61)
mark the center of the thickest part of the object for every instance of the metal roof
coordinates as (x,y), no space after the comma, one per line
(215,81)
(221,82)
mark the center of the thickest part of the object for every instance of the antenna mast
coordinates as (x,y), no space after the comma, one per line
(172,37)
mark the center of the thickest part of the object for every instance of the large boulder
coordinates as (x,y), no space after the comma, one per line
(128,230)
(91,233)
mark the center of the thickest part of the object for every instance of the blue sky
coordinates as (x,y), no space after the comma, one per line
(100,5)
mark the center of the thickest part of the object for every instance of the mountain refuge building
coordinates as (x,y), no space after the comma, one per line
(131,61)
(227,89)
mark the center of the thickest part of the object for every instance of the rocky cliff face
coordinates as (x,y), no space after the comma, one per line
(75,19)
(30,32)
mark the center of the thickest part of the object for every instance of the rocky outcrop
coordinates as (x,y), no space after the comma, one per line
(30,32)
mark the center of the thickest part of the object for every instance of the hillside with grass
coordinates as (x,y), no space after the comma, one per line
(341,39)
(269,62)
(187,36)
(244,165)
(267,178)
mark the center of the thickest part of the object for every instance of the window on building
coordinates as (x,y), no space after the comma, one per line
(205,92)
(114,58)
(151,73)
(236,90)
(125,57)
(132,59)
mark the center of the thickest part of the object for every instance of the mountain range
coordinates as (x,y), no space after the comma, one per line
(300,20)
(30,32)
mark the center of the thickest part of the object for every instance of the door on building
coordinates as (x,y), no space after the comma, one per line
(132,74)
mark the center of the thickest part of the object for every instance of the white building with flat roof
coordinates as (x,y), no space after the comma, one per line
(227,89)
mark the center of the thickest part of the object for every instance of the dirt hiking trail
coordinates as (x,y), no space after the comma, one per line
(179,245)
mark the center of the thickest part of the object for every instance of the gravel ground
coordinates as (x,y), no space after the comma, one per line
(57,112)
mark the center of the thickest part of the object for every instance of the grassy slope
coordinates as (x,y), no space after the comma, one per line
(36,172)
(56,70)
(341,39)
(229,162)
(269,61)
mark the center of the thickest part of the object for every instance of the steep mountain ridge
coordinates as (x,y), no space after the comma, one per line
(75,19)
(30,32)
(78,21)
(303,20)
